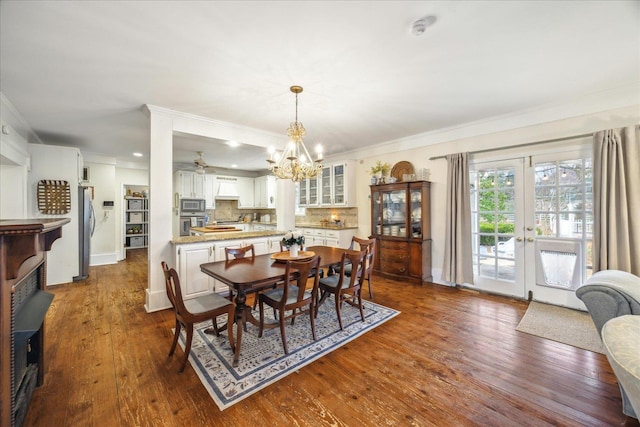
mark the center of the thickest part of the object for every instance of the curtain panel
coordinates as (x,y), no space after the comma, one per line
(458,261)
(616,200)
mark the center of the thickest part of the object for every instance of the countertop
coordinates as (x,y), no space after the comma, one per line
(298,225)
(326,227)
(232,235)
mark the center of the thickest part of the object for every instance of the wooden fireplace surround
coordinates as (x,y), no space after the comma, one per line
(23,247)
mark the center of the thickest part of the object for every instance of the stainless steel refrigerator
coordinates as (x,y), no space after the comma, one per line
(86,226)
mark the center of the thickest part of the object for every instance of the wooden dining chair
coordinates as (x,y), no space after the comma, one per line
(239,252)
(370,246)
(195,310)
(345,288)
(313,272)
(293,296)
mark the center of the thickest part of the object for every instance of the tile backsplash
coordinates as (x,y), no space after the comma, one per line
(227,210)
(348,216)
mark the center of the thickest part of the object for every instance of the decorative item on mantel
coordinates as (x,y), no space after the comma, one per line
(293,239)
(378,172)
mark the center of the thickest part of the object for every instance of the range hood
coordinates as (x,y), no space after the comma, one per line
(227,188)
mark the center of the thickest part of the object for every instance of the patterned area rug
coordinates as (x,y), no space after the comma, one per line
(262,360)
(561,324)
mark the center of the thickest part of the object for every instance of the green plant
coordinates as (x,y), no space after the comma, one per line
(490,228)
(380,167)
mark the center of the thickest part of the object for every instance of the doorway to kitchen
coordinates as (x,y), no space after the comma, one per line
(532,226)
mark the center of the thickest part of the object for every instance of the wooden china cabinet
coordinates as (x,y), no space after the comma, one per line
(401,222)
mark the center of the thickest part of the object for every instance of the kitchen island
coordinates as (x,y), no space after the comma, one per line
(191,251)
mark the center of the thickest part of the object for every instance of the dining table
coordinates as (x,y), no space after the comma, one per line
(253,274)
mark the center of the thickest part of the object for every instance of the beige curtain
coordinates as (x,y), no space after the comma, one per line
(458,267)
(616,200)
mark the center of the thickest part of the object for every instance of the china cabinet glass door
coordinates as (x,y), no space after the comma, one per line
(394,208)
(415,212)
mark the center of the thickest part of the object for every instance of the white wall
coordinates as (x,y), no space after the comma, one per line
(59,163)
(14,162)
(102,177)
(441,144)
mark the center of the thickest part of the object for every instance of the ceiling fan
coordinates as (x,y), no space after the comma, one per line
(201,165)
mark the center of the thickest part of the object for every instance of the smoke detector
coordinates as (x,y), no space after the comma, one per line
(419,26)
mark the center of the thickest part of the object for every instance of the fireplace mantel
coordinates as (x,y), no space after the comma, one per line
(23,247)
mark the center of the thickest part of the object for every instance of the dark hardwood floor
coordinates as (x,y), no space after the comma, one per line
(451,358)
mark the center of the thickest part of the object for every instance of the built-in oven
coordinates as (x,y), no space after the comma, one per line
(186,222)
(192,207)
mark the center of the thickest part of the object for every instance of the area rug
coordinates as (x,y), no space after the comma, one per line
(572,327)
(262,360)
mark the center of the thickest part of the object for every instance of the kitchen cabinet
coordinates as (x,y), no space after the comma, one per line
(264,189)
(189,185)
(187,261)
(261,227)
(210,191)
(274,244)
(308,192)
(136,217)
(245,193)
(401,221)
(327,237)
(337,184)
(189,256)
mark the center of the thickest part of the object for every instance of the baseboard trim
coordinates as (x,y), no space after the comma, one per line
(103,259)
(156,301)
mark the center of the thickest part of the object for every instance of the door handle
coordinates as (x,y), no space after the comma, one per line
(529,228)
(530,239)
(519,239)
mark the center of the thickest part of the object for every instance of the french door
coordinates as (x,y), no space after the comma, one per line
(532,226)
(497,213)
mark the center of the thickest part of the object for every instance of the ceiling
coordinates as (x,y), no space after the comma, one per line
(80,72)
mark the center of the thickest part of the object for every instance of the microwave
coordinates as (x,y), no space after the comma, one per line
(192,207)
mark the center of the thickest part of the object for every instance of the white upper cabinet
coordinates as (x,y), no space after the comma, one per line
(265,192)
(337,184)
(210,191)
(245,193)
(189,185)
(308,192)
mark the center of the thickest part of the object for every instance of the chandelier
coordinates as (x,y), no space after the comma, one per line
(294,162)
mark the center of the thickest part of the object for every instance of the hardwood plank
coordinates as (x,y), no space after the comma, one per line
(452,357)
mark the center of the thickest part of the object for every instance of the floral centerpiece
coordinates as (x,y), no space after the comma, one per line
(293,239)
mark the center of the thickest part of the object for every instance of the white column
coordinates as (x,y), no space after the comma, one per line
(285,204)
(160,207)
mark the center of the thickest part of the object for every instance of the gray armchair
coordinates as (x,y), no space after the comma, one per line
(608,294)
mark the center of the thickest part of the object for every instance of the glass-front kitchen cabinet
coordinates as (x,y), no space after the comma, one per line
(401,222)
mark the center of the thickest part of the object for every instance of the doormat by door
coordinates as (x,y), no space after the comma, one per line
(561,324)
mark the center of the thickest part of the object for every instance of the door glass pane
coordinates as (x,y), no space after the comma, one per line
(563,209)
(493,214)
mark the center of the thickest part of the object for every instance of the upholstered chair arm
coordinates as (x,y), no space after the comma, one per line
(610,293)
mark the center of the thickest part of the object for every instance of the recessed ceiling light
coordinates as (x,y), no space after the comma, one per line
(234,166)
(233,143)
(137,154)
